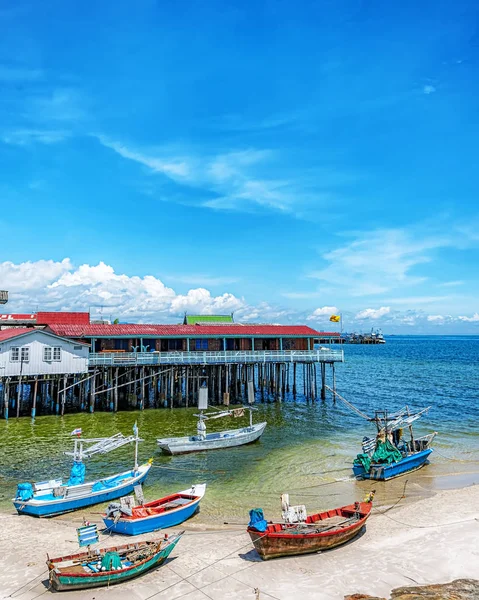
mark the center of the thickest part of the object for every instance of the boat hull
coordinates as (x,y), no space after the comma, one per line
(225,439)
(380,472)
(63,581)
(38,507)
(137,526)
(276,544)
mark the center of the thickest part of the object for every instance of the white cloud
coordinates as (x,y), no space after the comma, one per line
(174,168)
(31,275)
(322,313)
(435,318)
(473,319)
(371,313)
(62,286)
(428,89)
(237,180)
(376,262)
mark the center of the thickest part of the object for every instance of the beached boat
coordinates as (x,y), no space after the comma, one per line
(389,455)
(321,531)
(107,566)
(53,497)
(214,441)
(158,514)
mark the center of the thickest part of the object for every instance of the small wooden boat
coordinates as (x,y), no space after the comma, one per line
(318,532)
(158,514)
(389,455)
(53,497)
(107,566)
(214,441)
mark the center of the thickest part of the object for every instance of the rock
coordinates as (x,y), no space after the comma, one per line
(460,589)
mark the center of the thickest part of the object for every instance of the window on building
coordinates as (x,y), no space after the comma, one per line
(14,354)
(57,353)
(25,354)
(175,344)
(201,344)
(77,347)
(47,354)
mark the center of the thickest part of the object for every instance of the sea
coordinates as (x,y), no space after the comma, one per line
(307,448)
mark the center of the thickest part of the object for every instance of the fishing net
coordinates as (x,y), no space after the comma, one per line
(111,561)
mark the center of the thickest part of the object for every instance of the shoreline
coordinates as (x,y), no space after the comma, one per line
(429,540)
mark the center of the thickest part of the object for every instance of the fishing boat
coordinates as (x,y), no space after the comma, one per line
(158,514)
(315,533)
(107,566)
(214,441)
(389,454)
(53,497)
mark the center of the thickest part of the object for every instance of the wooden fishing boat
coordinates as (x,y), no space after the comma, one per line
(158,514)
(321,531)
(84,570)
(53,497)
(389,455)
(214,441)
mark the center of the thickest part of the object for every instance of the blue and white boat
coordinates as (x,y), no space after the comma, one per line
(389,455)
(158,514)
(53,497)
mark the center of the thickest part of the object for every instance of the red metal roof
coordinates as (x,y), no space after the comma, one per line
(63,318)
(139,330)
(6,334)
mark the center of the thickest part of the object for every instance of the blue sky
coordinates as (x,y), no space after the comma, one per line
(283,160)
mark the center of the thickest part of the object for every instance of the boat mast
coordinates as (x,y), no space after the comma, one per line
(135,431)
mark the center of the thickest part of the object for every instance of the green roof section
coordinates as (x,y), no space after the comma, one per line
(194,319)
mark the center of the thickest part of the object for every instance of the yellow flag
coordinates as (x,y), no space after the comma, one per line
(335,318)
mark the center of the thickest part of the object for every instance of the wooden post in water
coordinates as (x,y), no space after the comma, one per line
(6,394)
(115,392)
(64,393)
(19,395)
(294,380)
(92,392)
(323,381)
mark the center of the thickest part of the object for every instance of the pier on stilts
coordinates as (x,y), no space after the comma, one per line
(126,381)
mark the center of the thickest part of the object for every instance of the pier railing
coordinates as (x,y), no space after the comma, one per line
(214,358)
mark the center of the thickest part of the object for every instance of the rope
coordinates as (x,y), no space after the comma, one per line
(42,574)
(351,406)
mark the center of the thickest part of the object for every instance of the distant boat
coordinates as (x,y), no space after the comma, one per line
(107,566)
(214,441)
(321,531)
(158,514)
(389,455)
(53,497)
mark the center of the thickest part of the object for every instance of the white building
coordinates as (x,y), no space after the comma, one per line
(25,352)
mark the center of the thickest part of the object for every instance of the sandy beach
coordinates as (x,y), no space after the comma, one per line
(433,540)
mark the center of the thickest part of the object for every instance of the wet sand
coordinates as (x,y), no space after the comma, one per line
(430,540)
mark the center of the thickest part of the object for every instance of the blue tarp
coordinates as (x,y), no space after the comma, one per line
(257,520)
(106,484)
(77,474)
(24,491)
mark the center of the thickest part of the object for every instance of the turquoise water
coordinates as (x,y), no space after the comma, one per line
(307,448)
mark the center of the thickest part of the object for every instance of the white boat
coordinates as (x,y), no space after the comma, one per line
(53,497)
(214,441)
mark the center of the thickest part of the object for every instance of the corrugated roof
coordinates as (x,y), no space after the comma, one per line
(6,334)
(139,330)
(63,318)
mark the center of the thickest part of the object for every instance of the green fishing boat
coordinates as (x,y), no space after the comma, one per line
(107,566)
